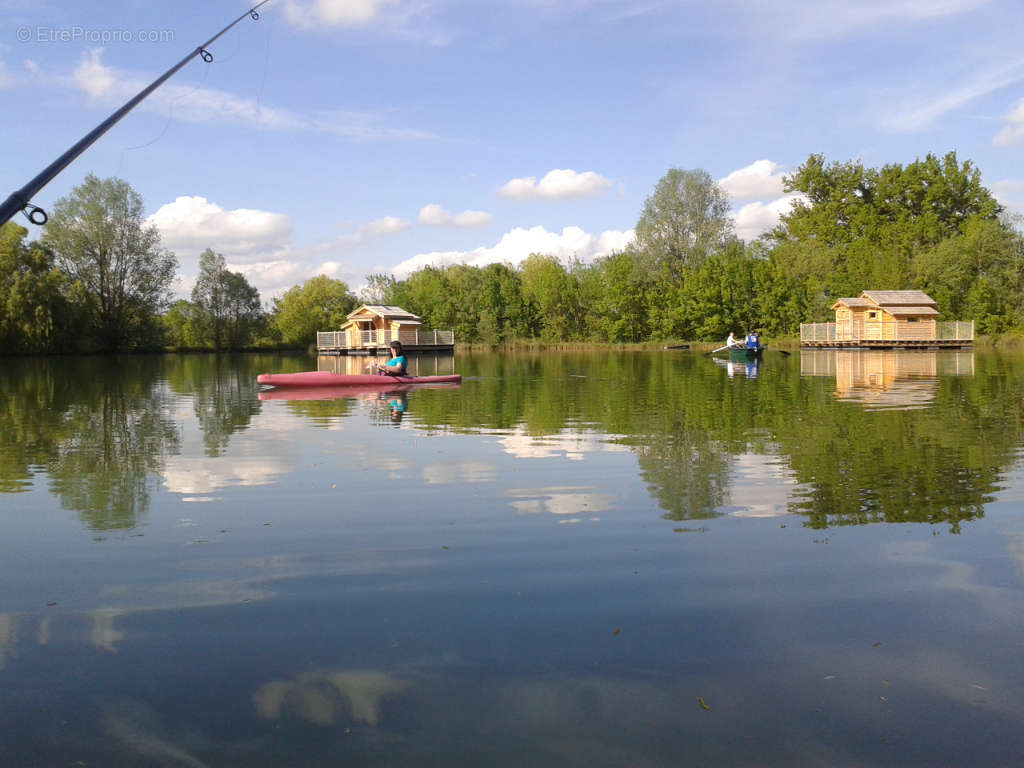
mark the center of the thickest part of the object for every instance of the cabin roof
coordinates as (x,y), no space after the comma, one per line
(387,311)
(912,311)
(899,298)
(852,302)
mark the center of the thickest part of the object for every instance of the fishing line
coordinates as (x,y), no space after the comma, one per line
(170,118)
(266,66)
(226,59)
(21,199)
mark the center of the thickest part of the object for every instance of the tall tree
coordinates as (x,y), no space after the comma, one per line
(229,307)
(33,310)
(319,304)
(854,228)
(683,221)
(379,289)
(99,238)
(241,310)
(208,296)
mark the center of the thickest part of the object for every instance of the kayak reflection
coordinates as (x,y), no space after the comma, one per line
(333,393)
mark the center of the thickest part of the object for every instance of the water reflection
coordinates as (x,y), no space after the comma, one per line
(327,697)
(887,378)
(98,432)
(748,368)
(762,486)
(446,616)
(569,503)
(222,390)
(936,432)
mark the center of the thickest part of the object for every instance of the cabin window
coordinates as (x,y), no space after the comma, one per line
(872,315)
(912,319)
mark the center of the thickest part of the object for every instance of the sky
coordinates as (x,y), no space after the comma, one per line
(351,137)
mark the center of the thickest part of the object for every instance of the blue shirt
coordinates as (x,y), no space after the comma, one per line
(400,360)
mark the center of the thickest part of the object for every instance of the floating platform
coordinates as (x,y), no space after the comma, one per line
(889,344)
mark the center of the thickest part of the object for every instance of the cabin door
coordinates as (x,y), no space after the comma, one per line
(857,331)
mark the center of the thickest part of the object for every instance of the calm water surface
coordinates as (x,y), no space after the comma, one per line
(647,559)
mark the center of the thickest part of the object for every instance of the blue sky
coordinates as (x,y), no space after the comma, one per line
(347,137)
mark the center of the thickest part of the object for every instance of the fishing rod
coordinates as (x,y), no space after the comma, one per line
(22,199)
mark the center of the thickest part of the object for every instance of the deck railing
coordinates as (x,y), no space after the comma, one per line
(945,330)
(954,330)
(419,337)
(817,332)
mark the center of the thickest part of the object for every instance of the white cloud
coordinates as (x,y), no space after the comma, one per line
(556,184)
(839,18)
(6,80)
(436,216)
(1010,194)
(757,218)
(205,475)
(388,225)
(761,179)
(194,224)
(198,104)
(519,243)
(922,116)
(334,13)
(1013,131)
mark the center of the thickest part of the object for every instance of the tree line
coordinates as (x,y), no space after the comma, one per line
(98,278)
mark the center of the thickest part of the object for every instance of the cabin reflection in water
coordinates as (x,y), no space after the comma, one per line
(882,379)
(416,364)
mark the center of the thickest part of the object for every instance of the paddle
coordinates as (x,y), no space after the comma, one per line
(716,350)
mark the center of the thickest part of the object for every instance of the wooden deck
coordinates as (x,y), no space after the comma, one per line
(952,334)
(376,342)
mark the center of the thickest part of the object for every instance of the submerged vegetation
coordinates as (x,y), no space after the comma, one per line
(97,278)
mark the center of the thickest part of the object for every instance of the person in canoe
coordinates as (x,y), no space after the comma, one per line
(753,340)
(731,341)
(396,365)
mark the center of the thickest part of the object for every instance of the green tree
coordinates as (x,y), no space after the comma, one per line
(228,306)
(99,239)
(379,289)
(618,287)
(242,310)
(208,295)
(547,290)
(977,274)
(683,221)
(319,304)
(182,325)
(33,310)
(424,293)
(857,228)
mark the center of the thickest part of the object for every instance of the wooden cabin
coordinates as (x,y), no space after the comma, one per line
(885,319)
(372,327)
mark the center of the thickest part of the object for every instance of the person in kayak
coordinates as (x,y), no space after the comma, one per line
(396,365)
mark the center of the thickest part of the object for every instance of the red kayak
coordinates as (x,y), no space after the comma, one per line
(352,390)
(327,379)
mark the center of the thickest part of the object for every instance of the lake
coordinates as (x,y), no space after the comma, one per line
(594,559)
